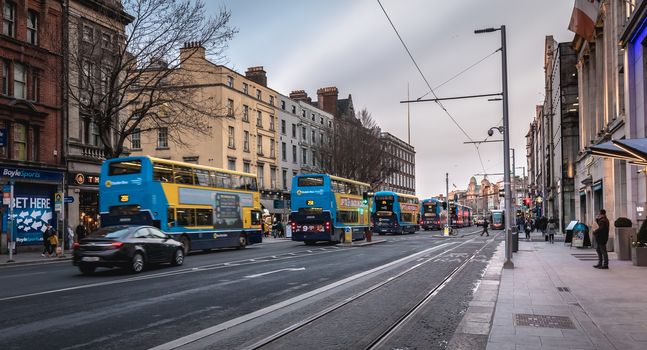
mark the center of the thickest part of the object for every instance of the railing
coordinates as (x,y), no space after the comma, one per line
(87,151)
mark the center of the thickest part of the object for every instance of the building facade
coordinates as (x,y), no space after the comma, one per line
(403,158)
(31,117)
(94,31)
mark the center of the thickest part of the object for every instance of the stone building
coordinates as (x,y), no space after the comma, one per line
(31,115)
(403,156)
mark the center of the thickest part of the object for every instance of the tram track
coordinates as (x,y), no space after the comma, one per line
(401,321)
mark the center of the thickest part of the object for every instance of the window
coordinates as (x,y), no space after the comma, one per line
(19,80)
(87,33)
(135,139)
(184,175)
(284,179)
(330,123)
(304,155)
(230,108)
(246,141)
(35,84)
(303,113)
(4,127)
(313,137)
(246,167)
(245,113)
(162,138)
(294,131)
(259,119)
(271,122)
(272,100)
(35,143)
(245,88)
(260,170)
(282,105)
(313,117)
(94,136)
(19,141)
(230,81)
(231,164)
(321,138)
(294,109)
(204,217)
(9,19)
(232,141)
(4,88)
(202,176)
(32,27)
(314,159)
(259,144)
(303,133)
(272,148)
(105,40)
(284,151)
(294,154)
(259,95)
(273,177)
(162,172)
(125,168)
(185,217)
(283,127)
(321,120)
(310,181)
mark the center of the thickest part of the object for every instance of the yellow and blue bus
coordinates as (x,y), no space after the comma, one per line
(395,213)
(324,206)
(200,206)
(431,212)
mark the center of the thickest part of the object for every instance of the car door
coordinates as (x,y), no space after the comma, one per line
(144,238)
(165,244)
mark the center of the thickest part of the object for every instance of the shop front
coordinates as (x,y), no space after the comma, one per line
(32,192)
(83,189)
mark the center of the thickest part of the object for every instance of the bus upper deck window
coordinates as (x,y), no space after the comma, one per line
(162,172)
(125,168)
(310,181)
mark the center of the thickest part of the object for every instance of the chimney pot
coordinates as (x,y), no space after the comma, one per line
(257,74)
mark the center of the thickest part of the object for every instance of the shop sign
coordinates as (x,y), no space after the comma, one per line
(31,213)
(30,174)
(84,179)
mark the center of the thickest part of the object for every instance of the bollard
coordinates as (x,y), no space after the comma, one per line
(348,235)
(369,235)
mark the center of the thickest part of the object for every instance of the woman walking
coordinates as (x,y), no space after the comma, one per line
(551,230)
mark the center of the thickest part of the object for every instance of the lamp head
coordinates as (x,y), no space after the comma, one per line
(490,132)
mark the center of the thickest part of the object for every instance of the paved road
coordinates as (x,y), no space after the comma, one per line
(232,299)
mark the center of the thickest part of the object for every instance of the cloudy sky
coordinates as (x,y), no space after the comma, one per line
(308,44)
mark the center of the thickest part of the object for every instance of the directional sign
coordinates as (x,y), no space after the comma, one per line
(68,199)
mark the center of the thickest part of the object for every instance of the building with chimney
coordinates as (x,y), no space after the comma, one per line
(31,116)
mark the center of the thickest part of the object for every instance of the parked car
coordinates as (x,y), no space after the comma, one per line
(131,247)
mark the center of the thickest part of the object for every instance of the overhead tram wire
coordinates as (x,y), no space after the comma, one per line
(427,82)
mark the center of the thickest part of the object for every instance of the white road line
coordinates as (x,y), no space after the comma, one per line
(258,313)
(275,271)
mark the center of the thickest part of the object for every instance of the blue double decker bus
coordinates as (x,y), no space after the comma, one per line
(324,206)
(395,213)
(431,214)
(202,207)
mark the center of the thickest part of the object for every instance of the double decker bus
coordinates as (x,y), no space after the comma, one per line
(497,219)
(323,206)
(200,206)
(395,213)
(431,214)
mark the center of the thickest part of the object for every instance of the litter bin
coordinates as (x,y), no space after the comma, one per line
(515,240)
(622,243)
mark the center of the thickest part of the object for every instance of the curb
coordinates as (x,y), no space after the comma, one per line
(34,262)
(361,243)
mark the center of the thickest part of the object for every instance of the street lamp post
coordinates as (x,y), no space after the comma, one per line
(508,264)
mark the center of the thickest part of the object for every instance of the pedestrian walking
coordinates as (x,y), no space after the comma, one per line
(601,235)
(527,229)
(69,239)
(46,245)
(53,244)
(485,226)
(81,232)
(551,227)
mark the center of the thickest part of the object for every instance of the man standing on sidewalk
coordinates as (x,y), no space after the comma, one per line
(601,235)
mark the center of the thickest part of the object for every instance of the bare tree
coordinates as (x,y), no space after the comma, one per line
(126,77)
(355,151)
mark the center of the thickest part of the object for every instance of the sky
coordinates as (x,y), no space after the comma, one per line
(309,44)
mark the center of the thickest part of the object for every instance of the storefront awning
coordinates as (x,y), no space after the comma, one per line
(631,150)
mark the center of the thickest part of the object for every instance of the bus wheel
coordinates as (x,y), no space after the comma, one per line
(186,244)
(242,241)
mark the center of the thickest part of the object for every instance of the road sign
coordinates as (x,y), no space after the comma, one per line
(58,201)
(68,199)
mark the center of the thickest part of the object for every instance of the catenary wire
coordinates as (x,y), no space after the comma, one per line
(429,85)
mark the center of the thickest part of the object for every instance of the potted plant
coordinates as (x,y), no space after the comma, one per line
(621,243)
(639,246)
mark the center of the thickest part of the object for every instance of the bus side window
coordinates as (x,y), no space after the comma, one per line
(170,217)
(256,217)
(162,172)
(184,175)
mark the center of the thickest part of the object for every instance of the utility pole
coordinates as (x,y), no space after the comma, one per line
(447,199)
(408,117)
(514,190)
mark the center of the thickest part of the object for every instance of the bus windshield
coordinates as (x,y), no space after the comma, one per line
(129,167)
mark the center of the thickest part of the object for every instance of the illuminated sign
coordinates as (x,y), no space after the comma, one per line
(310,202)
(123,198)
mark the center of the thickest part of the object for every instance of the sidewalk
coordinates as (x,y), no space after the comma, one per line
(24,258)
(555,299)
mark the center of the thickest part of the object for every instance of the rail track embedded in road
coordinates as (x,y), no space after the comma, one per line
(402,320)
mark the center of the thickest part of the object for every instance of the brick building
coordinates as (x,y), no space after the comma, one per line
(30,114)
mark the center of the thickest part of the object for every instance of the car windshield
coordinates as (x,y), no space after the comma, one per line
(110,232)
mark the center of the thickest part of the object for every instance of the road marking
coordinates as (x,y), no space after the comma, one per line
(275,271)
(23,274)
(258,313)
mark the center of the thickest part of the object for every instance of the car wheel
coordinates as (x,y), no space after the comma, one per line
(178,257)
(137,263)
(186,244)
(87,269)
(242,241)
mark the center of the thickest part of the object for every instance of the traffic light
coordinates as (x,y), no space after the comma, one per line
(527,202)
(366,196)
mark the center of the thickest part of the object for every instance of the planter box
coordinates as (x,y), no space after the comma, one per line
(622,242)
(639,256)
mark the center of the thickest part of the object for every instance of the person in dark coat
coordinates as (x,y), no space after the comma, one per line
(485,226)
(81,232)
(601,235)
(47,247)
